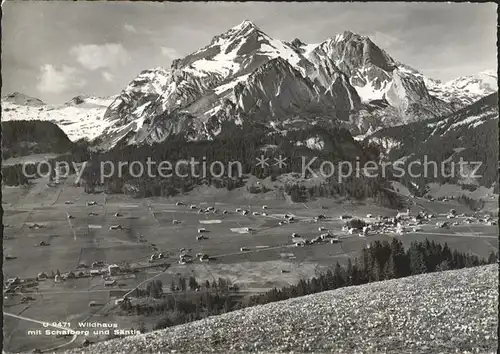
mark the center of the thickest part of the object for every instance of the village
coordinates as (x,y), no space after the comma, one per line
(74,255)
(111,274)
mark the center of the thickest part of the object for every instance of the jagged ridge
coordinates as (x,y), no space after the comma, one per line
(345,77)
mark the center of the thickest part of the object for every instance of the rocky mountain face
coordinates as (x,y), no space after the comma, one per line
(367,66)
(409,95)
(243,75)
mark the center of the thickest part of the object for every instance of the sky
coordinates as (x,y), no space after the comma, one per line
(58,50)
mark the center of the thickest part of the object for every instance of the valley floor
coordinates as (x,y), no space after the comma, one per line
(271,260)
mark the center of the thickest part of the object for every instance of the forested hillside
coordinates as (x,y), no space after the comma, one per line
(470,134)
(337,145)
(21,138)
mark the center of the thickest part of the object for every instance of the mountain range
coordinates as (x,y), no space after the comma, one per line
(243,75)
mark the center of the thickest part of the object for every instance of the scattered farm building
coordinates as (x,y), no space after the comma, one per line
(113,269)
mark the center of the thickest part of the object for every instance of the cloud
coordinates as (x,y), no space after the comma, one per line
(130,28)
(107,76)
(169,53)
(93,57)
(385,41)
(56,81)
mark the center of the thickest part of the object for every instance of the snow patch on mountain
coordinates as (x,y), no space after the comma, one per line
(227,86)
(308,48)
(222,64)
(371,92)
(473,121)
(387,144)
(313,143)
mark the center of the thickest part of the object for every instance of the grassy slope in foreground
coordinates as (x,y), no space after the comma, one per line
(447,312)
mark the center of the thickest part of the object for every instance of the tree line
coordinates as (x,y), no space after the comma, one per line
(381,261)
(245,147)
(378,261)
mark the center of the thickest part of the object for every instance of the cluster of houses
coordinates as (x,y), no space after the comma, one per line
(98,268)
(157,255)
(15,285)
(405,222)
(185,258)
(208,210)
(299,241)
(325,236)
(242,211)
(466,219)
(401,223)
(12,285)
(486,219)
(201,234)
(318,218)
(287,219)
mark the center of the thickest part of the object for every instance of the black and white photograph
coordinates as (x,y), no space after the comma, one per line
(249,177)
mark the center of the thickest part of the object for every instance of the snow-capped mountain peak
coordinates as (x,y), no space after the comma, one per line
(236,52)
(244,74)
(482,83)
(465,90)
(245,25)
(245,28)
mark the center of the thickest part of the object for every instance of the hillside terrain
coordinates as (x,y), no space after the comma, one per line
(21,138)
(451,311)
(466,134)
